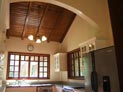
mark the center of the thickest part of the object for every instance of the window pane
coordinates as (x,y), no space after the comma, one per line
(41,75)
(41,63)
(45,58)
(16,68)
(45,74)
(81,67)
(45,69)
(32,58)
(17,57)
(41,68)
(12,57)
(27,65)
(16,74)
(41,58)
(45,63)
(33,69)
(22,57)
(11,68)
(36,58)
(76,67)
(26,57)
(10,74)
(16,62)
(11,62)
(24,69)
(75,64)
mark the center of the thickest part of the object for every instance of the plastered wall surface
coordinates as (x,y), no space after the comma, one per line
(80,31)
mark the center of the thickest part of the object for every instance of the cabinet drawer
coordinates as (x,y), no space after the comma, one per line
(44,89)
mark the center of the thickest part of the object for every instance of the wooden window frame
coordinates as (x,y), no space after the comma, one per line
(69,64)
(29,61)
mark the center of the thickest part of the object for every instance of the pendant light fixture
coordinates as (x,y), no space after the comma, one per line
(37,39)
(30,37)
(44,38)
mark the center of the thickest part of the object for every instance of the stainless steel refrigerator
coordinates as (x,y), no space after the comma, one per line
(101,71)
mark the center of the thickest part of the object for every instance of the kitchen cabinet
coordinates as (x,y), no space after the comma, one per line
(60,60)
(44,89)
(32,88)
(21,89)
(92,44)
(58,89)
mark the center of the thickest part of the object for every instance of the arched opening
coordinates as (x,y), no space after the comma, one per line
(74,10)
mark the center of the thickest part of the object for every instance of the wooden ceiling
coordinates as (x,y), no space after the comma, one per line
(37,19)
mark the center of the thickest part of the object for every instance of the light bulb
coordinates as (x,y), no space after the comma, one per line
(38,40)
(30,37)
(44,38)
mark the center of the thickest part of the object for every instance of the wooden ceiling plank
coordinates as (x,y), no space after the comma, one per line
(57,21)
(42,19)
(49,19)
(67,28)
(26,20)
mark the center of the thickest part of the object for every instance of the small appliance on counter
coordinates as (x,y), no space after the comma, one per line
(72,89)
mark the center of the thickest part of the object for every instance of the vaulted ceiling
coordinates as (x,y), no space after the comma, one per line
(37,19)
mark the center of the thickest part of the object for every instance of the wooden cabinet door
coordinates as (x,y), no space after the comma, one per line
(21,89)
(44,89)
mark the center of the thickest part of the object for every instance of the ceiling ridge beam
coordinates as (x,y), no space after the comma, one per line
(26,20)
(42,19)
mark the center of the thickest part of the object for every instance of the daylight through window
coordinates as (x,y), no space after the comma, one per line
(28,65)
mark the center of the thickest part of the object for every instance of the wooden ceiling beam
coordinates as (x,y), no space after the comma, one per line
(42,19)
(51,21)
(7,33)
(58,19)
(26,20)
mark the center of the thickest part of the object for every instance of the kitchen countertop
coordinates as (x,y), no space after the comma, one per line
(57,84)
(30,85)
(71,85)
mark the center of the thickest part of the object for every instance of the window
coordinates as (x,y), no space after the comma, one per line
(28,65)
(75,65)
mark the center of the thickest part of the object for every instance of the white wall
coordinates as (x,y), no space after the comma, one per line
(81,30)
(98,11)
(95,12)
(4,12)
(18,45)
